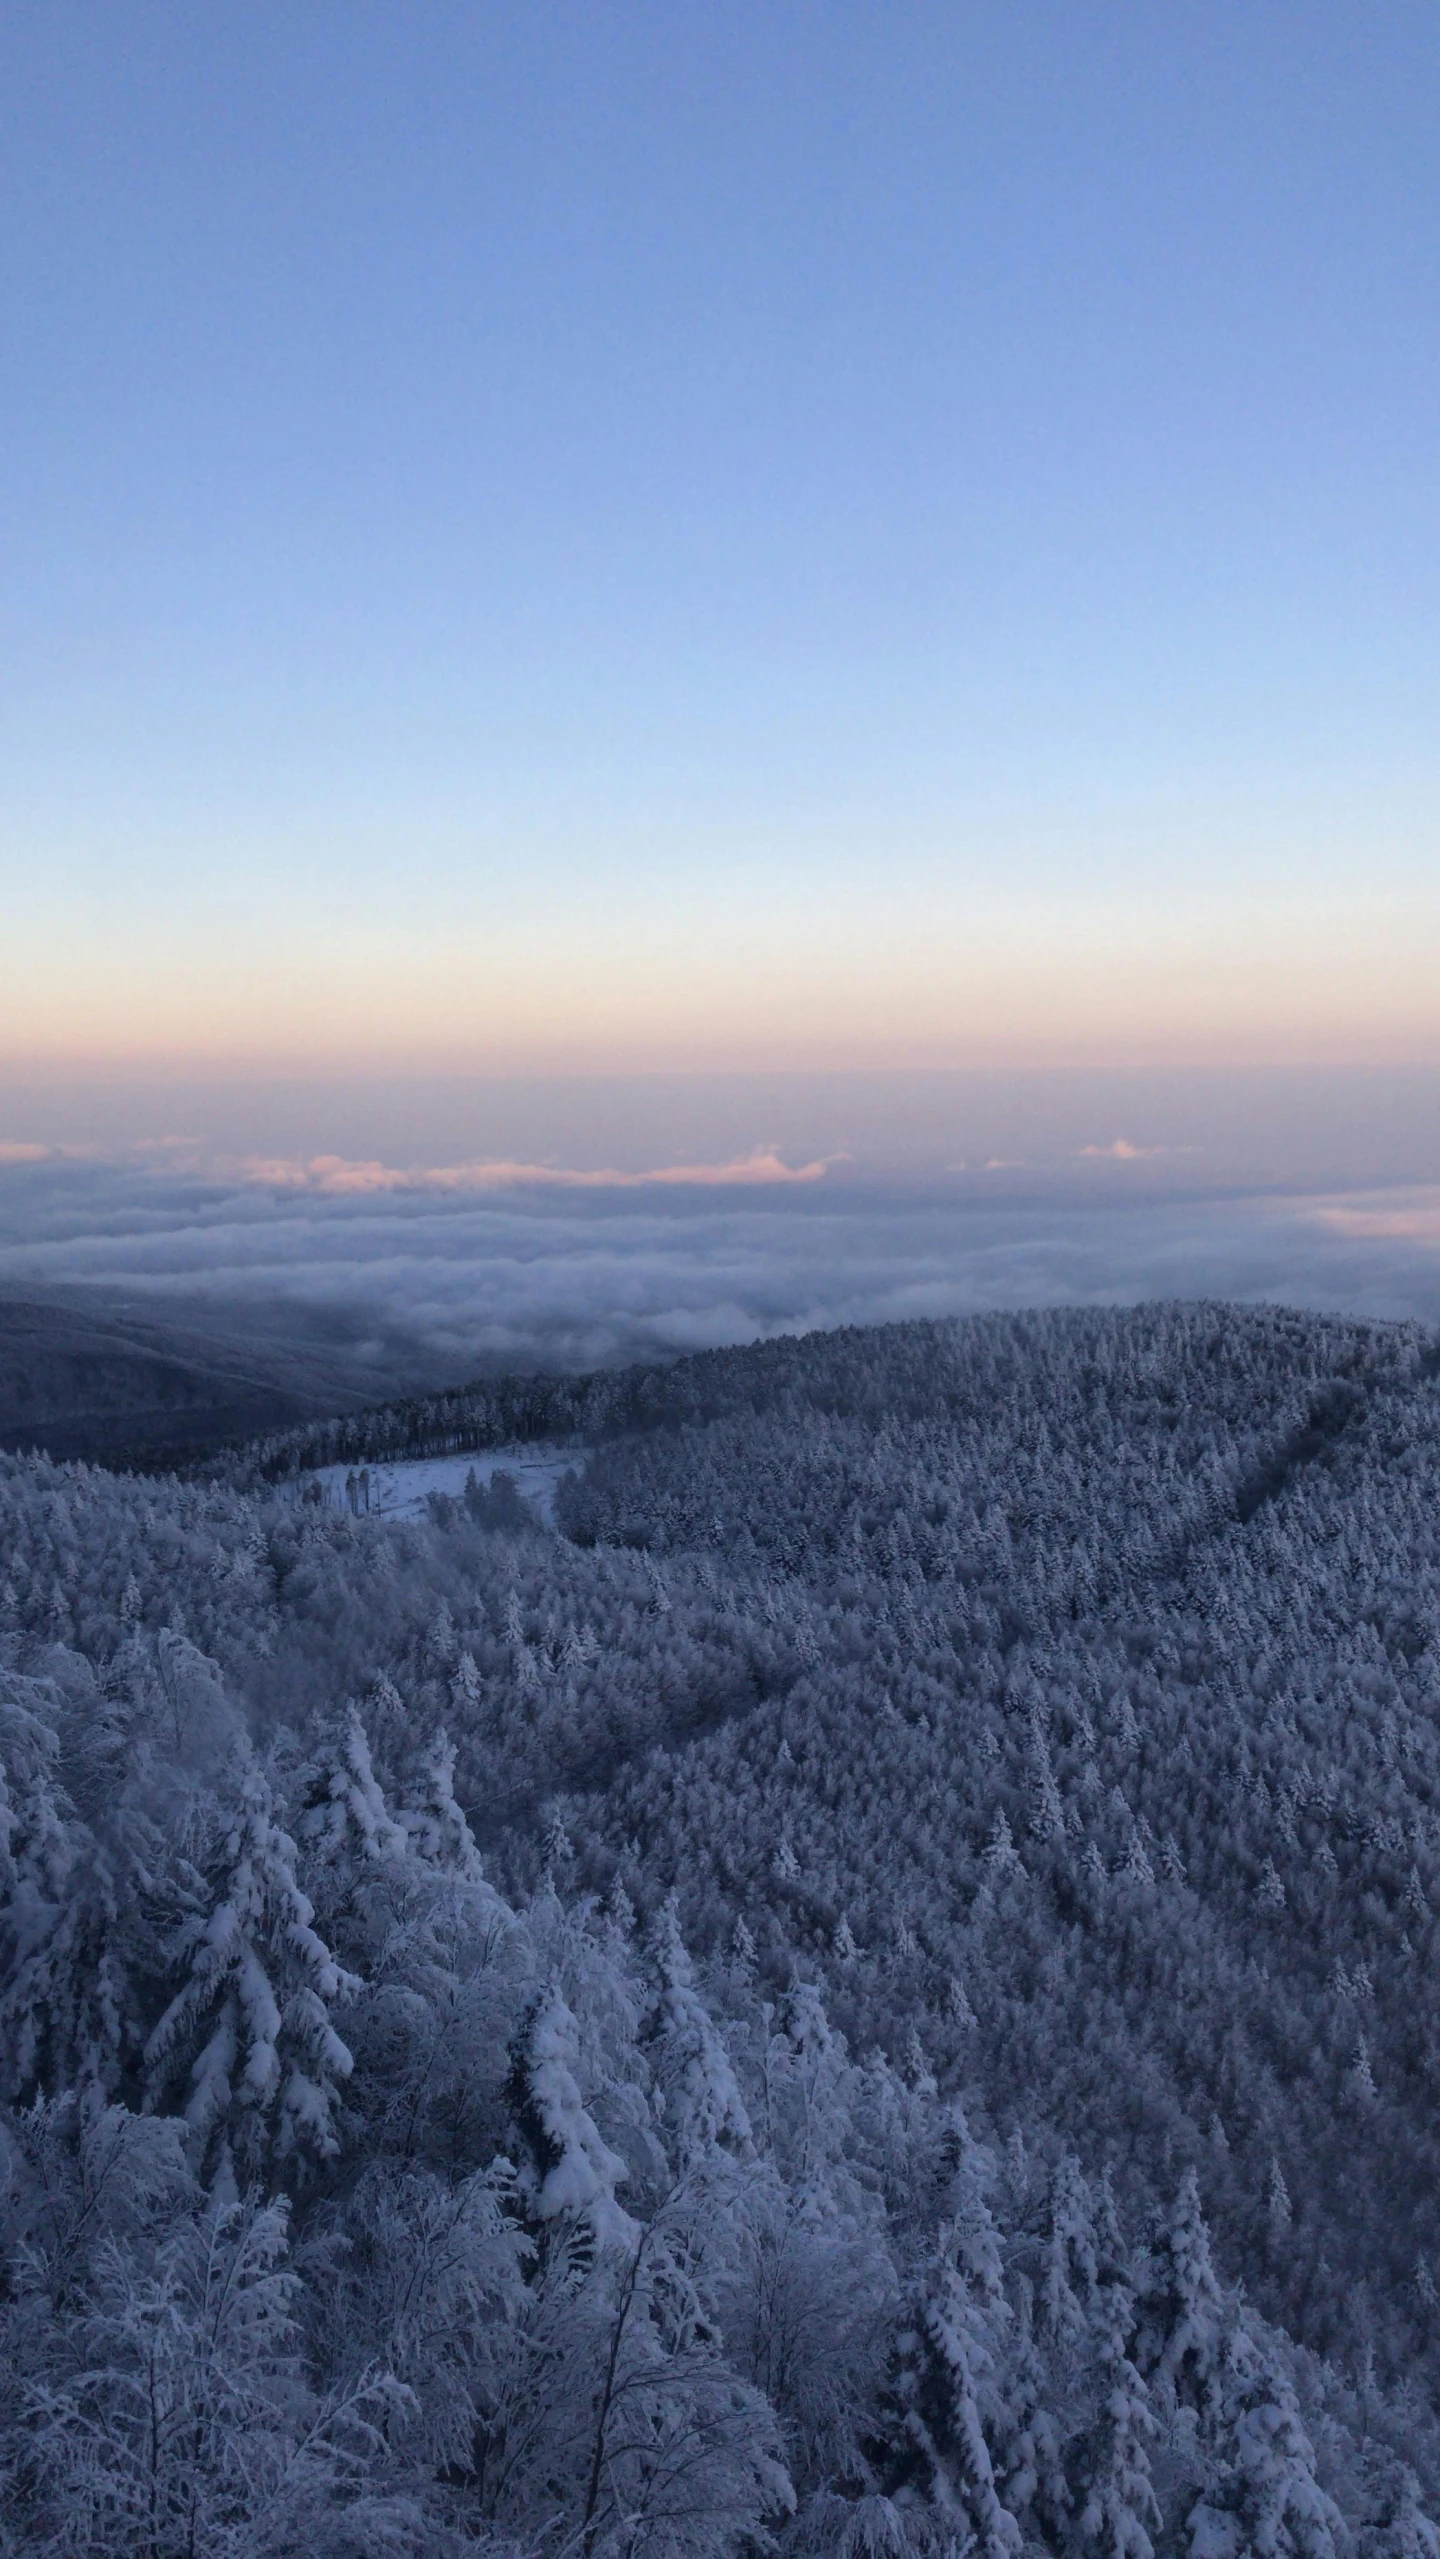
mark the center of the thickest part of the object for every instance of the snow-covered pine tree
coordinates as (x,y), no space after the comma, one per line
(71,1941)
(1070,2272)
(434,1821)
(345,1824)
(247,2045)
(1277,2211)
(1119,2509)
(940,2410)
(569,2173)
(466,1692)
(1396,2527)
(704,2110)
(1179,2311)
(806,2076)
(1027,2440)
(1265,2497)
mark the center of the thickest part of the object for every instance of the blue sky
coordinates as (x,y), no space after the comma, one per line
(633,536)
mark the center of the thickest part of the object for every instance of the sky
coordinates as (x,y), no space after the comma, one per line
(608,539)
(676,671)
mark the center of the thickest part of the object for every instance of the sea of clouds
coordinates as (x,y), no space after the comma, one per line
(454,1267)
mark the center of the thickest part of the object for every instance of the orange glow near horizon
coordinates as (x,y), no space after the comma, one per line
(1009,987)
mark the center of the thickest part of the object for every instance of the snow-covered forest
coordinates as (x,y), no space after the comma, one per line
(868,1990)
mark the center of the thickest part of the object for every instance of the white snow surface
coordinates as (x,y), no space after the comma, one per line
(399,1490)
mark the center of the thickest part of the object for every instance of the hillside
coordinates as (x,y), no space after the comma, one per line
(88,1374)
(947,2019)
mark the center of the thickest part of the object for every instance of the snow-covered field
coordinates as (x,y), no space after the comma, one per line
(400,1491)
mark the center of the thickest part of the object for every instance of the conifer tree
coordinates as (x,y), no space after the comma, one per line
(247,2041)
(1179,2310)
(345,1822)
(1070,2270)
(1266,2497)
(570,2174)
(704,2110)
(1027,2440)
(940,2394)
(68,1940)
(1120,2509)
(434,1821)
(1396,2527)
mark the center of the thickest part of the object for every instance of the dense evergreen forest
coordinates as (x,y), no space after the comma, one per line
(872,1991)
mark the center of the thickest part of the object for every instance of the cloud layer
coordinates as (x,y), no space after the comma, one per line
(531,1269)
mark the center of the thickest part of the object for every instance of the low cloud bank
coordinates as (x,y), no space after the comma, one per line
(576,1273)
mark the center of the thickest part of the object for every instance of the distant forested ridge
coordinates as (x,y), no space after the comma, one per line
(874,1992)
(89,1373)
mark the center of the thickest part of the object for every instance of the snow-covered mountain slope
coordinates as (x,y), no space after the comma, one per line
(962,1816)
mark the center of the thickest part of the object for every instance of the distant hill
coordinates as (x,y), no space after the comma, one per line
(100,1379)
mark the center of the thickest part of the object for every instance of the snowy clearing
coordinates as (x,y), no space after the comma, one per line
(400,1490)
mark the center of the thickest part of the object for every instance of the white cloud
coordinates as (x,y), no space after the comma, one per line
(549,1275)
(341,1176)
